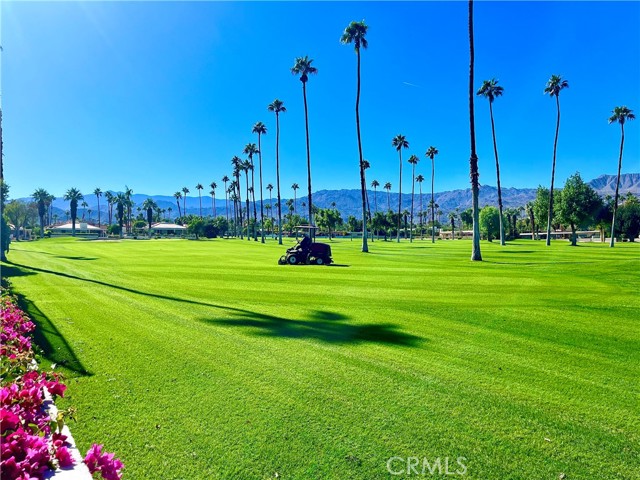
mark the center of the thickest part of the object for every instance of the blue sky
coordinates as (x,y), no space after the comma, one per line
(159,96)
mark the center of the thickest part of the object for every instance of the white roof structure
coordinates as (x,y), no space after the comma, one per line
(167,226)
(79,226)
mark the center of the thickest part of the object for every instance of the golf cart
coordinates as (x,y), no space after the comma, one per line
(307,251)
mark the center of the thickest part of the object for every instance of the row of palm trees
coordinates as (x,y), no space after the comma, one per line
(355,33)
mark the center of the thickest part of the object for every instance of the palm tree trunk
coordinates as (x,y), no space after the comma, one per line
(98,197)
(473,160)
(184,205)
(278,178)
(413,186)
(248,208)
(253,196)
(553,174)
(226,202)
(179,212)
(200,197)
(615,198)
(495,151)
(213,207)
(261,201)
(421,212)
(433,205)
(306,125)
(399,198)
(389,200)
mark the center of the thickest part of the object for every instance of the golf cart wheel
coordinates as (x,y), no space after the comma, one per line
(282,260)
(292,260)
(319,261)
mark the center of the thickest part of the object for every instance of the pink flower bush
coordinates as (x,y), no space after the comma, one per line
(28,447)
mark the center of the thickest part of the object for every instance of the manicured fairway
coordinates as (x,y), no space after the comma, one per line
(205,359)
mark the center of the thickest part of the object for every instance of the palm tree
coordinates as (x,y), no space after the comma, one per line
(185,191)
(110,199)
(413,160)
(295,188)
(250,149)
(247,166)
(178,196)
(169,210)
(270,188)
(238,165)
(476,256)
(72,196)
(98,193)
(431,153)
(49,206)
(375,184)
(149,205)
(399,142)
(303,67)
(387,187)
(553,88)
(84,206)
(121,201)
(40,196)
(452,219)
(620,115)
(420,179)
(278,107)
(490,90)
(260,129)
(355,33)
(127,193)
(225,179)
(199,187)
(213,186)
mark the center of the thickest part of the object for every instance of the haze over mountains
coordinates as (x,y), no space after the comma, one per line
(348,202)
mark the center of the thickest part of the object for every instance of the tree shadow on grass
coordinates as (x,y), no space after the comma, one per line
(54,346)
(322,325)
(329,327)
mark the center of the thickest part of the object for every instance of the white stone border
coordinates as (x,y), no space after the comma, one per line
(79,471)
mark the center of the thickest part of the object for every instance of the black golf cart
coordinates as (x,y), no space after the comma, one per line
(307,251)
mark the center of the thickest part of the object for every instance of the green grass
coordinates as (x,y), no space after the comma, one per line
(208,360)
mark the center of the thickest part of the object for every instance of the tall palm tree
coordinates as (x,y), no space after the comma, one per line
(110,197)
(212,192)
(295,188)
(387,187)
(238,166)
(476,256)
(420,179)
(40,196)
(199,187)
(278,107)
(303,67)
(490,90)
(413,160)
(128,193)
(375,184)
(98,193)
(169,210)
(247,166)
(121,203)
(355,33)
(225,179)
(149,205)
(72,196)
(399,142)
(260,129)
(250,149)
(178,196)
(431,153)
(620,115)
(84,206)
(270,188)
(452,218)
(185,191)
(553,88)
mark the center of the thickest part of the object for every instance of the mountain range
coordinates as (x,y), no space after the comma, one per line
(348,202)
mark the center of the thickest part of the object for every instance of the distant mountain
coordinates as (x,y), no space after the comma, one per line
(349,202)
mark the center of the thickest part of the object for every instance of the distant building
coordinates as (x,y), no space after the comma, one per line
(169,229)
(82,230)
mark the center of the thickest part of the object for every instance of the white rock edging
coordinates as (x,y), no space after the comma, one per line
(79,471)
